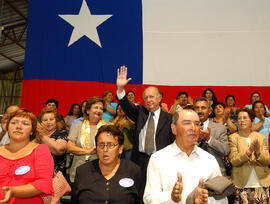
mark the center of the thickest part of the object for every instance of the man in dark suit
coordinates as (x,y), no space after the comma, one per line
(213,136)
(153,126)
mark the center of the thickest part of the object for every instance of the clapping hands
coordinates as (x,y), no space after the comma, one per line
(201,194)
(204,134)
(254,147)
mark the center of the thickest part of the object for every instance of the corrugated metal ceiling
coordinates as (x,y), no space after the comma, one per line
(13,21)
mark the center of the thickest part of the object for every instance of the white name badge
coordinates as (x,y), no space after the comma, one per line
(22,170)
(126,182)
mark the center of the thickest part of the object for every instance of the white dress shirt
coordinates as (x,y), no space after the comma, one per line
(253,181)
(166,163)
(142,134)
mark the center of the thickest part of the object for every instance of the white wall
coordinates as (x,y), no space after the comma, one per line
(206,42)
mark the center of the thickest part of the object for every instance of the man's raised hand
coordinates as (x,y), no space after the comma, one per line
(122,78)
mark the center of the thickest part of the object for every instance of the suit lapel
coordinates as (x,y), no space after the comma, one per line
(161,122)
(142,119)
(210,124)
(145,117)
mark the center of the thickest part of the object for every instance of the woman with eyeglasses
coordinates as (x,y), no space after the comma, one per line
(250,159)
(108,179)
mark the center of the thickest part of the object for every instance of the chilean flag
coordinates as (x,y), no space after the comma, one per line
(74,47)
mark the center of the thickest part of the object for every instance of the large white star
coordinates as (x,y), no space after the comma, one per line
(85,23)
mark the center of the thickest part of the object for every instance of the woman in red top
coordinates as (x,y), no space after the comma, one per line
(26,167)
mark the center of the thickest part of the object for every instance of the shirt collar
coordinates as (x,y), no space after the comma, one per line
(178,151)
(156,113)
(205,124)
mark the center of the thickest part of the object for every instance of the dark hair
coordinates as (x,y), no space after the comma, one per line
(253,106)
(83,102)
(247,110)
(113,130)
(214,97)
(255,92)
(219,103)
(227,97)
(91,101)
(117,107)
(181,93)
(5,110)
(71,109)
(26,114)
(130,92)
(82,113)
(52,100)
(203,99)
(189,107)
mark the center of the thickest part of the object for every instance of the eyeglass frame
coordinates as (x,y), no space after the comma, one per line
(244,118)
(109,145)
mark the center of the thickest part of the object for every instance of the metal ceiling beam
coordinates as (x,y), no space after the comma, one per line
(11,28)
(15,9)
(13,84)
(13,40)
(23,31)
(14,25)
(12,43)
(14,35)
(10,59)
(11,69)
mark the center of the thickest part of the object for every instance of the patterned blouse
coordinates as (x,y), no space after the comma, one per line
(59,160)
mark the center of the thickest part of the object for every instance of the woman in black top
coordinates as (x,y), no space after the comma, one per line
(55,139)
(109,179)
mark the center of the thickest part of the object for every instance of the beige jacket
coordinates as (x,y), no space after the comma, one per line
(242,164)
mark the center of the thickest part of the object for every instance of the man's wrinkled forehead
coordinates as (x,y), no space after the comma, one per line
(188,114)
(150,91)
(201,104)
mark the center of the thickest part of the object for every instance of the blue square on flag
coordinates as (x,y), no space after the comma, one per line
(83,40)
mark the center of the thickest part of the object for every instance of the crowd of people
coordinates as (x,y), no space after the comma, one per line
(201,151)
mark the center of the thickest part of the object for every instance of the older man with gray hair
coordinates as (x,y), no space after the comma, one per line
(152,131)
